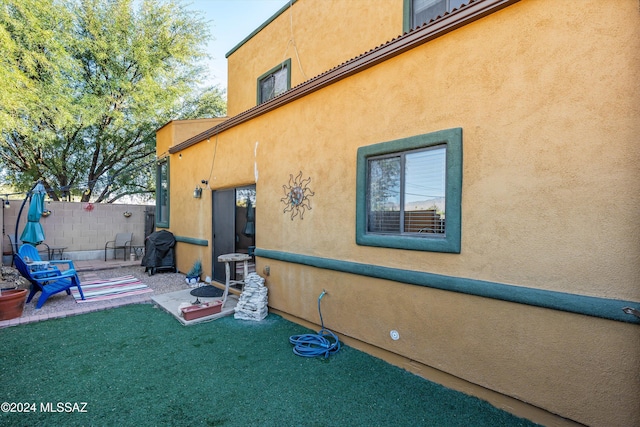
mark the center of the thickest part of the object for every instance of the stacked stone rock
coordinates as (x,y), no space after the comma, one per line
(252,304)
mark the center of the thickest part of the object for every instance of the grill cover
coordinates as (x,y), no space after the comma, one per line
(159,252)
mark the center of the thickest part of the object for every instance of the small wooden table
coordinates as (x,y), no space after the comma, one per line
(227,259)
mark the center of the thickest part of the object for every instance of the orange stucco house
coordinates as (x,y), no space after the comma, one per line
(462,173)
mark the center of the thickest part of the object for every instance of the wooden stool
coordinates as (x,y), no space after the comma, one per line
(227,259)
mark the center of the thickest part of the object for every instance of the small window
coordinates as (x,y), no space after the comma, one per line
(409,193)
(274,82)
(419,12)
(162,193)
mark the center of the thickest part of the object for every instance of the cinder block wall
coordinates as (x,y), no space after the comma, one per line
(82,228)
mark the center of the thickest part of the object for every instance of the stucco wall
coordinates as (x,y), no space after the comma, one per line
(547,137)
(223,164)
(548,104)
(316,35)
(180,130)
(191,216)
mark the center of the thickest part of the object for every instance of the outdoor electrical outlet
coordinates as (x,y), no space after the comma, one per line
(395,335)
(266,270)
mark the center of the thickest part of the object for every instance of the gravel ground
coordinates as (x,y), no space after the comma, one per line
(160,283)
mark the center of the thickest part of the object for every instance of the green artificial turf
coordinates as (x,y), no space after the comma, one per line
(138,366)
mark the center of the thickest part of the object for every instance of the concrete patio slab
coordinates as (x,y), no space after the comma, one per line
(170,302)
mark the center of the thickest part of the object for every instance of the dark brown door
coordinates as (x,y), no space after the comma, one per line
(224,236)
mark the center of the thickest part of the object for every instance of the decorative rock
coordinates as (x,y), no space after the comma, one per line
(252,304)
(11,278)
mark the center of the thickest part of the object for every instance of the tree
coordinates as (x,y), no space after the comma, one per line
(88,83)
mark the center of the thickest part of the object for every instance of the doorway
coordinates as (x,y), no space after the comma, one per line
(234,227)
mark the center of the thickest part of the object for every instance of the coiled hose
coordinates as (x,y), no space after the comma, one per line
(324,343)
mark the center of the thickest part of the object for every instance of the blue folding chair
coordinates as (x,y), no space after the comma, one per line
(47,281)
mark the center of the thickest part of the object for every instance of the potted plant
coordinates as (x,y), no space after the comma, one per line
(12,298)
(193,275)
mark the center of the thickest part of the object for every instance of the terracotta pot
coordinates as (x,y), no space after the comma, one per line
(12,303)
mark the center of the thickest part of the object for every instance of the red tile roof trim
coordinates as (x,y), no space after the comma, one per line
(457,18)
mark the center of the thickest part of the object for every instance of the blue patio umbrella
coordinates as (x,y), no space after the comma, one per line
(33,232)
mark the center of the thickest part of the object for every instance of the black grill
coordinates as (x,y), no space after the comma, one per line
(159,253)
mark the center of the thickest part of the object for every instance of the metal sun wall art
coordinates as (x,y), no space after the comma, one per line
(296,196)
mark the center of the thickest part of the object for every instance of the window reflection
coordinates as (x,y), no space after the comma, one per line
(407,192)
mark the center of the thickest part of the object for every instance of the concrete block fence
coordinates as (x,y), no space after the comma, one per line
(81,227)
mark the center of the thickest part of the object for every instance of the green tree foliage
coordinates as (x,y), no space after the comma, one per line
(85,85)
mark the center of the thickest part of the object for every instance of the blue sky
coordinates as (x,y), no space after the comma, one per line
(230,22)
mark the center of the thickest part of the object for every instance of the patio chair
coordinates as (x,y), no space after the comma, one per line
(15,247)
(47,281)
(122,241)
(29,251)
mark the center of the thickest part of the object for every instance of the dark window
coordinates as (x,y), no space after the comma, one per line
(419,12)
(274,82)
(162,193)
